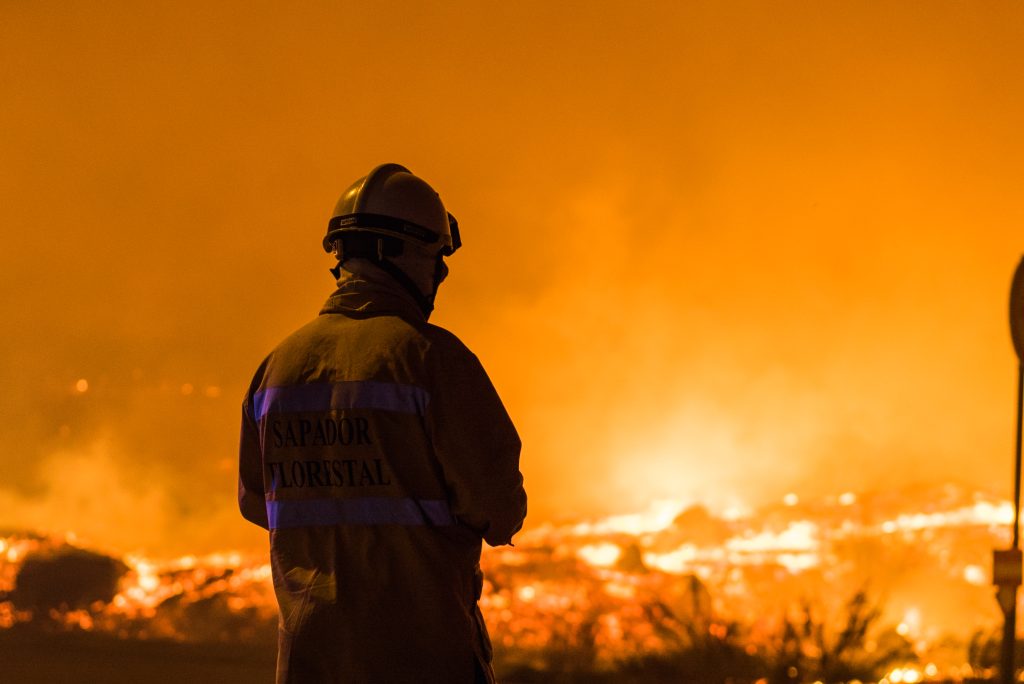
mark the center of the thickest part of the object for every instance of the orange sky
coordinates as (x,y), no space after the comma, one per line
(719,250)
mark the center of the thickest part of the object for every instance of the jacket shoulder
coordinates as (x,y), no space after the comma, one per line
(444,341)
(335,345)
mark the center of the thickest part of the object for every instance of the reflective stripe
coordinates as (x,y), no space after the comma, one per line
(386,396)
(368,511)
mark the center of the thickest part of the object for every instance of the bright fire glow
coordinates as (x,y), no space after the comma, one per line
(600,555)
(904,675)
(703,568)
(655,518)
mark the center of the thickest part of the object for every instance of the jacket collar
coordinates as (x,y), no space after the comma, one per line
(364,290)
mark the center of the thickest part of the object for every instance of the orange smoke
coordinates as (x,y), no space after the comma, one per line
(713,251)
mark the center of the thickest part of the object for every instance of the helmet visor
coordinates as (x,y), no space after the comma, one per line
(453,227)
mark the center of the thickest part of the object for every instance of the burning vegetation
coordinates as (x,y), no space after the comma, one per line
(887,588)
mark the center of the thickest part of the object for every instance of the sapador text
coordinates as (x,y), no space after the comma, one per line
(300,432)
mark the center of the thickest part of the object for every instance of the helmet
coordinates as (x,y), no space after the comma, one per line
(391,201)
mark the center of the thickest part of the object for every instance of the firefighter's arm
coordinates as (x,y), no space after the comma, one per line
(477,447)
(251,496)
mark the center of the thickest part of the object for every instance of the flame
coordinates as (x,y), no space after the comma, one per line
(601,555)
(626,576)
(904,675)
(656,518)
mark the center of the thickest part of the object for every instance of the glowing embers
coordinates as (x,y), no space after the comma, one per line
(976,575)
(904,675)
(629,586)
(191,598)
(987,513)
(687,558)
(567,611)
(657,517)
(795,547)
(601,555)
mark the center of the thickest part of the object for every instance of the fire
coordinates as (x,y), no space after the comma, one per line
(618,588)
(601,555)
(900,675)
(659,516)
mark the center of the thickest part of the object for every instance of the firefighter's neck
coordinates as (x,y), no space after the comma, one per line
(365,269)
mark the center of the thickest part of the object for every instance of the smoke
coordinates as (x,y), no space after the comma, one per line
(83,491)
(682,346)
(89,493)
(717,254)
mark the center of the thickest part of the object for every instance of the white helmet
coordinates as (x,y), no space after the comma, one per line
(391,201)
(382,212)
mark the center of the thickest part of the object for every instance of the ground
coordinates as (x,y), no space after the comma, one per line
(34,658)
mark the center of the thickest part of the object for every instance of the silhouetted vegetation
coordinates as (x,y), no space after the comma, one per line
(213,619)
(985,648)
(66,579)
(808,650)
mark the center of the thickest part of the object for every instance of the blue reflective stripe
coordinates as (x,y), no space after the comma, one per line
(367,394)
(367,511)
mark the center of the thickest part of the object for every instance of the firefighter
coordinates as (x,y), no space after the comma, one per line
(376,451)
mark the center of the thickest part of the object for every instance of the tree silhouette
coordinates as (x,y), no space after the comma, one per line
(66,579)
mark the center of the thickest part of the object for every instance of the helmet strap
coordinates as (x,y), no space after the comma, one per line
(425,303)
(377,251)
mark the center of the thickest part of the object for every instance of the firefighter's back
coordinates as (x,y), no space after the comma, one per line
(371,573)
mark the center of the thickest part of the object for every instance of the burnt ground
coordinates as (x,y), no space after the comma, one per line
(32,657)
(35,657)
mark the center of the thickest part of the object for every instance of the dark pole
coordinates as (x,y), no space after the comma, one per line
(1016,476)
(1008,666)
(1007,564)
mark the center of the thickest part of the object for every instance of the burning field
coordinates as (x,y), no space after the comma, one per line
(870,587)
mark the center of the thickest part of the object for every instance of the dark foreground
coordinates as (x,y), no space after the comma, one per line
(34,658)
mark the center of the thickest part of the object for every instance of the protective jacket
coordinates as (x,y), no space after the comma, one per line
(378,454)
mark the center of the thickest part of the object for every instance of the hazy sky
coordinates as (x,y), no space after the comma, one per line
(717,250)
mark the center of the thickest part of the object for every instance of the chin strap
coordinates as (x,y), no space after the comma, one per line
(424,302)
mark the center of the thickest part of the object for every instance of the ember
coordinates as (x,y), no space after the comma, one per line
(608,594)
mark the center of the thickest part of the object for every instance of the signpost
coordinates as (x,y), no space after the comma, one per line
(1006,563)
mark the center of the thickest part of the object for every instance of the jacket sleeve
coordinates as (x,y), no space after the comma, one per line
(477,447)
(251,495)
